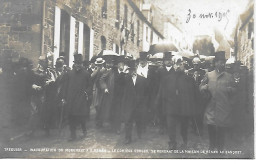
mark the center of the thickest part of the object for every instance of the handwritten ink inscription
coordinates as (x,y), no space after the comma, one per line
(210,15)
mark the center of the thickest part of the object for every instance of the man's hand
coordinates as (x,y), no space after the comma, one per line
(204,87)
(106,91)
(36,87)
(49,82)
(63,101)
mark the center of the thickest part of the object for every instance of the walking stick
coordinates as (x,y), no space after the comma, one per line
(61,117)
(197,130)
(19,136)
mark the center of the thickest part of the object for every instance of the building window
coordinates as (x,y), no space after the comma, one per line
(151,39)
(138,33)
(125,16)
(146,34)
(117,13)
(86,41)
(252,43)
(133,32)
(151,16)
(88,2)
(65,35)
(103,43)
(250,29)
(104,9)
(117,49)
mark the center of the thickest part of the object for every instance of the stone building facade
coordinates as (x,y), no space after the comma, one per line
(244,38)
(20,28)
(31,28)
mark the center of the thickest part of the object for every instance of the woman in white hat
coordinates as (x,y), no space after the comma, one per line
(97,92)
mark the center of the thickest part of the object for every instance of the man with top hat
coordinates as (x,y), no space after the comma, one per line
(177,96)
(112,84)
(198,74)
(143,66)
(133,102)
(164,71)
(77,90)
(219,86)
(149,73)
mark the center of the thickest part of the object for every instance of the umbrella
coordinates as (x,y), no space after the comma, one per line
(156,56)
(186,54)
(93,59)
(207,58)
(231,60)
(111,56)
(107,53)
(162,47)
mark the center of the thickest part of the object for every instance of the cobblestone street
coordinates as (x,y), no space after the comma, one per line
(101,143)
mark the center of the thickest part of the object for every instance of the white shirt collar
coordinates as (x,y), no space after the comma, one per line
(145,67)
(119,71)
(168,68)
(142,71)
(134,78)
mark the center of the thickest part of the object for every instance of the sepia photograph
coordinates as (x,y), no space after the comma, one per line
(127,79)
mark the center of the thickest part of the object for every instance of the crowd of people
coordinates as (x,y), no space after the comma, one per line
(136,93)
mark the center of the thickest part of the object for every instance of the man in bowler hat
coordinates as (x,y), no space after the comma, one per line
(149,73)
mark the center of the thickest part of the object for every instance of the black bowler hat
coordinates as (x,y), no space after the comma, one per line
(121,59)
(24,62)
(59,63)
(78,58)
(143,55)
(167,56)
(131,64)
(220,55)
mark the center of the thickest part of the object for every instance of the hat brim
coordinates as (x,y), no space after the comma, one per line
(218,59)
(78,62)
(103,61)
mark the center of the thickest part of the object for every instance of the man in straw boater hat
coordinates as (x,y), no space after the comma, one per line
(76,95)
(177,96)
(133,102)
(219,85)
(143,69)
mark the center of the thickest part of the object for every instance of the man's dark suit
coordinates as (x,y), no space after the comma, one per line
(162,74)
(134,103)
